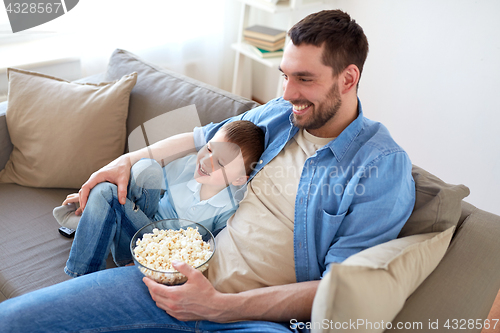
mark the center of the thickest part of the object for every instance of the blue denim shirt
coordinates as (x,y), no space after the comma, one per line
(354,193)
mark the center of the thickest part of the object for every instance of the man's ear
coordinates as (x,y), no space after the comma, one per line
(240,181)
(350,78)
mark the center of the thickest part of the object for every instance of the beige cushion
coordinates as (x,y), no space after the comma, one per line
(438,205)
(63,131)
(374,284)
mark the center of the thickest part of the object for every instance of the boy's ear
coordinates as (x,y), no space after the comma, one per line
(240,181)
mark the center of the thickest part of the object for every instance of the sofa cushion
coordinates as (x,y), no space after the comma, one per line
(5,143)
(159,91)
(33,252)
(438,205)
(63,131)
(374,284)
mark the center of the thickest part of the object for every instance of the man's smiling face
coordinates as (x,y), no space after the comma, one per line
(310,86)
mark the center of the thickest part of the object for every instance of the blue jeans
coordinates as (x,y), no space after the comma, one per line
(106,225)
(113,300)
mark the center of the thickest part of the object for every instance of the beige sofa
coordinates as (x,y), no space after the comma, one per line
(33,253)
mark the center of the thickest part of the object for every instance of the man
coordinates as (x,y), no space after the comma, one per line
(329,184)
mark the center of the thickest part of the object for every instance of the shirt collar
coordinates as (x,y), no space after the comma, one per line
(221,199)
(341,144)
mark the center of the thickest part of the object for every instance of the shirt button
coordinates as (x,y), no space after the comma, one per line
(194,208)
(301,200)
(261,161)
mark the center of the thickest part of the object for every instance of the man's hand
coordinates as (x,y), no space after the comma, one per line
(116,172)
(195,300)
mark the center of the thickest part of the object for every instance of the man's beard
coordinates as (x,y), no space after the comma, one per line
(320,114)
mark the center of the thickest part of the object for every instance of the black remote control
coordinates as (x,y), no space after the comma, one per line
(67,232)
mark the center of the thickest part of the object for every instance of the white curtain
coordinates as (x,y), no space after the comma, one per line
(192,37)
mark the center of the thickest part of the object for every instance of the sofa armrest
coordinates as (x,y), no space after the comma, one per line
(5,143)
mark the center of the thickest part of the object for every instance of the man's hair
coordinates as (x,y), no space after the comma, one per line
(250,139)
(344,40)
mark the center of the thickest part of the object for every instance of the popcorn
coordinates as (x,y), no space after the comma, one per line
(158,249)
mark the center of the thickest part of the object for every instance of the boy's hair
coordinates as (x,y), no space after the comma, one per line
(344,40)
(249,137)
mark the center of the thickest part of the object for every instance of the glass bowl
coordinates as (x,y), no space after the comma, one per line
(171,277)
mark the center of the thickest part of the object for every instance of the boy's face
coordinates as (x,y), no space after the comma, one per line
(219,157)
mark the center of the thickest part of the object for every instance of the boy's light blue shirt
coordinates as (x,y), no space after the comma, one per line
(355,192)
(182,197)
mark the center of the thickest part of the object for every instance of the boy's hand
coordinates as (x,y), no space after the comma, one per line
(116,172)
(73,198)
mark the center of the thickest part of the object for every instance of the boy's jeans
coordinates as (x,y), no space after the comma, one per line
(108,225)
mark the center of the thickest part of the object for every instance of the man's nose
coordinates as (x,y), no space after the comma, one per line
(290,91)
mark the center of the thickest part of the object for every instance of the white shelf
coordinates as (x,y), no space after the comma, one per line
(246,49)
(267,6)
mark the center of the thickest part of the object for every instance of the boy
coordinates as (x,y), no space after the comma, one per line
(204,188)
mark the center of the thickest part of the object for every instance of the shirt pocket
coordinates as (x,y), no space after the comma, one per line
(333,218)
(332,222)
(326,234)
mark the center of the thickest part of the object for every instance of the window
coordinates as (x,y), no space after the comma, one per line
(6,35)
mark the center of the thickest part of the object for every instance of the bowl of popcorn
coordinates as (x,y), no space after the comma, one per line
(157,244)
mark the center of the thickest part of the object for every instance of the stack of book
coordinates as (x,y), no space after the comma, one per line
(268,40)
(266,54)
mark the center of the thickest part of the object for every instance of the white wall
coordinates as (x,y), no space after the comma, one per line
(433,78)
